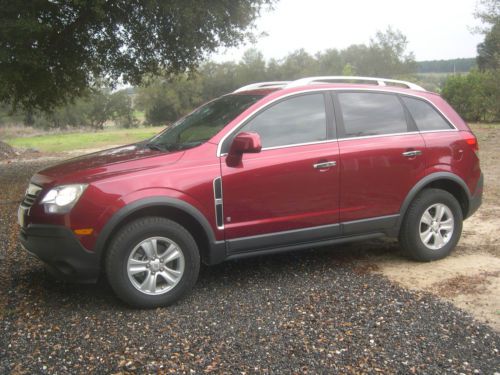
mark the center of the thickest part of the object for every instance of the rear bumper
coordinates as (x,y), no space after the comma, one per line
(61,251)
(477,198)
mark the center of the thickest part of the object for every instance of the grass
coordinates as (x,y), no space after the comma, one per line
(484,125)
(139,115)
(86,140)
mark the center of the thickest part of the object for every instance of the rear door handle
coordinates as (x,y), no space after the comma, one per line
(410,154)
(326,164)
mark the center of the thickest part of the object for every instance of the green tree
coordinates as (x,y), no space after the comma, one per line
(93,110)
(53,51)
(329,62)
(388,55)
(165,100)
(488,52)
(122,113)
(357,56)
(218,79)
(298,64)
(347,70)
(252,68)
(159,103)
(98,109)
(475,96)
(488,12)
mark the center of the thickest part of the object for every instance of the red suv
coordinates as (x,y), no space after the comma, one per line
(271,167)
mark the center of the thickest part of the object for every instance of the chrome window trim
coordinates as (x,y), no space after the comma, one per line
(321,89)
(394,134)
(299,144)
(350,138)
(378,136)
(439,131)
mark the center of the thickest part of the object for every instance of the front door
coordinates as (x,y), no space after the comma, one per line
(292,185)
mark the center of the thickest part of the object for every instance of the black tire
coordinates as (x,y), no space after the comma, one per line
(127,239)
(409,235)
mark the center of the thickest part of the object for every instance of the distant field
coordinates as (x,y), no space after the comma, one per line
(76,141)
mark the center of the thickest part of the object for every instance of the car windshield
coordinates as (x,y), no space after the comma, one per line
(202,124)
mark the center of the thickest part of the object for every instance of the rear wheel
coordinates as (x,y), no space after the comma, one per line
(152,262)
(432,225)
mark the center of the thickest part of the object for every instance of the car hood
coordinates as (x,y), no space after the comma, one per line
(105,164)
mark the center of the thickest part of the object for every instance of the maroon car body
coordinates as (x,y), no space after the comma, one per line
(254,199)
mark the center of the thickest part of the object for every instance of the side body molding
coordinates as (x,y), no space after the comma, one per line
(216,251)
(425,181)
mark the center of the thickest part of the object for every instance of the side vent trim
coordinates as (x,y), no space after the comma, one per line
(219,211)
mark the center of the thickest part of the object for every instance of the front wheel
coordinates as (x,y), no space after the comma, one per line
(432,225)
(152,262)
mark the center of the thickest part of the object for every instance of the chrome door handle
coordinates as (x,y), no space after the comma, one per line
(410,154)
(326,164)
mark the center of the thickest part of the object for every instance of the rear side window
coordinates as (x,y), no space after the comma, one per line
(425,115)
(366,113)
(300,119)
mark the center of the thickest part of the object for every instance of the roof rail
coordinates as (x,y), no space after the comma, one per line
(337,79)
(263,85)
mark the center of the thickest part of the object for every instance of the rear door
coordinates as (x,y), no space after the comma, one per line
(381,157)
(287,186)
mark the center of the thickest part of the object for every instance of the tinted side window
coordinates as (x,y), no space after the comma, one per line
(366,113)
(425,116)
(300,119)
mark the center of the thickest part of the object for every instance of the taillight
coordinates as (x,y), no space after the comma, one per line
(471,140)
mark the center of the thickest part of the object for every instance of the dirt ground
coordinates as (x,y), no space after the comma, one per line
(470,277)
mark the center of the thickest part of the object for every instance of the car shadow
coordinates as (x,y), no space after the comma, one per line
(235,274)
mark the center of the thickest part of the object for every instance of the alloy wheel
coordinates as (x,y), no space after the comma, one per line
(436,226)
(156,265)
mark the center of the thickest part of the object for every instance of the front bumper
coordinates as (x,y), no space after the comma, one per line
(61,252)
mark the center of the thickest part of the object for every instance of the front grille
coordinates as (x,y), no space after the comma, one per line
(31,195)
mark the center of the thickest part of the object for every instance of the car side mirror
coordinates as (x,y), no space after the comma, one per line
(243,143)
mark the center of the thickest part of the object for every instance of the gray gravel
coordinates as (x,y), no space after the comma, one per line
(312,311)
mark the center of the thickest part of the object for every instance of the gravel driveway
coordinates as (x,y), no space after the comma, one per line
(314,311)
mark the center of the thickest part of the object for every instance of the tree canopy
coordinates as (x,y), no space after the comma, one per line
(488,52)
(164,98)
(488,12)
(476,96)
(52,51)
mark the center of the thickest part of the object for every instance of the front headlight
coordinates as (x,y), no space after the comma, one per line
(61,199)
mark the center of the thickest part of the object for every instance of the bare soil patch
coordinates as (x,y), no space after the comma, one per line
(469,281)
(470,277)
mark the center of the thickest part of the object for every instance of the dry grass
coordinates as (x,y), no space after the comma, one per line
(464,284)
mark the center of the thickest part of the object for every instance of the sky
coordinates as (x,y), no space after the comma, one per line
(435,29)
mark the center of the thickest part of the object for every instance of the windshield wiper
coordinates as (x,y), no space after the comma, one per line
(191,144)
(175,146)
(155,146)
